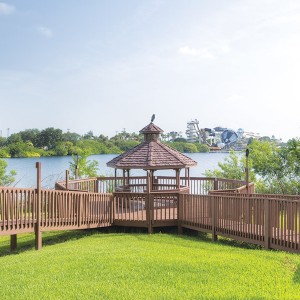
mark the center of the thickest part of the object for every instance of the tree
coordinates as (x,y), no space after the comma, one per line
(2,141)
(86,168)
(17,149)
(124,145)
(30,135)
(273,169)
(89,135)
(279,166)
(102,138)
(6,178)
(49,137)
(72,137)
(14,138)
(202,147)
(233,167)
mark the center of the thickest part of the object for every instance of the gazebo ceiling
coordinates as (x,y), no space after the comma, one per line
(151,154)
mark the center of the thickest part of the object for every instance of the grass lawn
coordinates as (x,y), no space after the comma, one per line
(100,265)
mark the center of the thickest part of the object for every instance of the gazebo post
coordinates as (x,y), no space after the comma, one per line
(148,182)
(189,179)
(115,178)
(152,180)
(124,183)
(148,203)
(178,179)
(128,176)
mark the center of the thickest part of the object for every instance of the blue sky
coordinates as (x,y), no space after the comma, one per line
(109,65)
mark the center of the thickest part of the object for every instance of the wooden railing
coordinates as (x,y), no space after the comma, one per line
(18,210)
(146,210)
(270,222)
(240,190)
(85,185)
(28,210)
(138,184)
(73,210)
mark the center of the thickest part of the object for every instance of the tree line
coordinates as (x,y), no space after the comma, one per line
(54,142)
(273,169)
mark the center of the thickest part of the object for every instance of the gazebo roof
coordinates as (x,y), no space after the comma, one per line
(151,154)
(151,128)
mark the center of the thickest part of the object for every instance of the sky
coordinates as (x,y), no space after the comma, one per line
(109,65)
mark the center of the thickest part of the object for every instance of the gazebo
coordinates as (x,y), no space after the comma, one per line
(152,155)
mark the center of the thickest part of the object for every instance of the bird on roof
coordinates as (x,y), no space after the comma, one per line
(152,118)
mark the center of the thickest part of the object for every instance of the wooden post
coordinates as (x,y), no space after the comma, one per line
(112,208)
(76,172)
(148,204)
(247,171)
(216,186)
(38,232)
(267,223)
(80,204)
(13,242)
(148,182)
(153,181)
(189,180)
(178,179)
(179,212)
(213,218)
(128,177)
(96,187)
(124,182)
(67,179)
(77,167)
(76,175)
(148,213)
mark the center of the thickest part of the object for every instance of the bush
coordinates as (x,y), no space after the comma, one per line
(6,178)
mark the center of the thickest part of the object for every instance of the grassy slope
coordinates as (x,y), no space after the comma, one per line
(92,265)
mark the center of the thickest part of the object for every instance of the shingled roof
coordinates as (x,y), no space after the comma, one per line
(151,154)
(151,128)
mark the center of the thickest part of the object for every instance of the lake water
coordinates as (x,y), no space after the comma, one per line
(53,168)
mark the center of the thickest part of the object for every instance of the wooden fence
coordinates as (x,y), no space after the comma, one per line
(270,222)
(138,184)
(31,210)
(146,210)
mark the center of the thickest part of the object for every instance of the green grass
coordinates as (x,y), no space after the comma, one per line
(101,265)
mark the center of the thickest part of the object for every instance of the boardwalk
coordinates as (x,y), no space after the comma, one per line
(268,220)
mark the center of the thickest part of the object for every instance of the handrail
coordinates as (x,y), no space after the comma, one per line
(198,185)
(240,190)
(119,190)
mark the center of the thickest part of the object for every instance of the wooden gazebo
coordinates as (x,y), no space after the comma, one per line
(152,155)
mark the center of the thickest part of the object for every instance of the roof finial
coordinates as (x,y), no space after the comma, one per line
(152,118)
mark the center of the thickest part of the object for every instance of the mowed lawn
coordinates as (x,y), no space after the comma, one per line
(97,265)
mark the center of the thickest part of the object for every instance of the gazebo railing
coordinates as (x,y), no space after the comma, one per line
(138,184)
(146,210)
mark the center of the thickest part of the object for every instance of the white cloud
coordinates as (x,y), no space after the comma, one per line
(6,9)
(45,31)
(202,53)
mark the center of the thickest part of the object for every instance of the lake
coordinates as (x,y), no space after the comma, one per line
(53,168)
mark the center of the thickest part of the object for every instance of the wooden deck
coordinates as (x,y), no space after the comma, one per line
(159,217)
(272,221)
